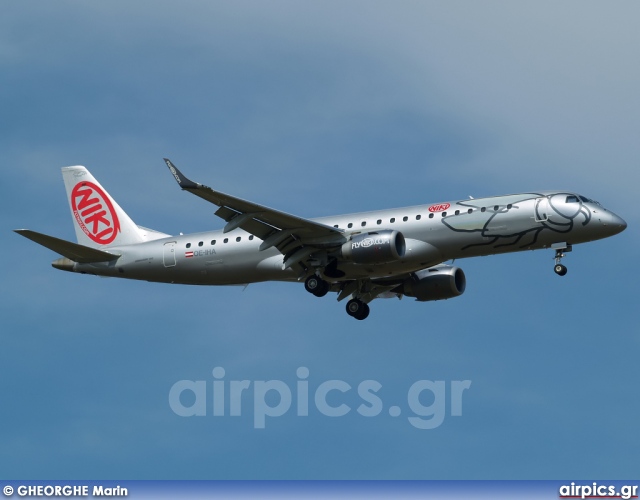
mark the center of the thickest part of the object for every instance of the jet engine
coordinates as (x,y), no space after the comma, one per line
(436,283)
(377,247)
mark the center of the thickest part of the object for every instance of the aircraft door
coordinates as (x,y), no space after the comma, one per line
(169,254)
(541,209)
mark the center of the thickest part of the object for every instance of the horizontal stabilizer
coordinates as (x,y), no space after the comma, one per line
(73,251)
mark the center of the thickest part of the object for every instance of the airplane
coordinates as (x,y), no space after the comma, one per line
(361,256)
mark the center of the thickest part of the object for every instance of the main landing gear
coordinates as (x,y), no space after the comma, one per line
(316,285)
(559,269)
(357,309)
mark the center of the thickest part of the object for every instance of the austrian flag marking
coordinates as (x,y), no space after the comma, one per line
(94,213)
(188,254)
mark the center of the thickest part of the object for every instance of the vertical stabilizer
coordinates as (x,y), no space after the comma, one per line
(98,219)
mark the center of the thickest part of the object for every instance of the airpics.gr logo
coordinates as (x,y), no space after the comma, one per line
(94,213)
(439,208)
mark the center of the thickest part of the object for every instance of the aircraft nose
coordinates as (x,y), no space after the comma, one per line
(615,224)
(620,222)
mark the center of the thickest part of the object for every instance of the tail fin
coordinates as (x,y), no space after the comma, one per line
(98,219)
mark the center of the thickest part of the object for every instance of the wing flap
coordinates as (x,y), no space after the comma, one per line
(72,251)
(250,225)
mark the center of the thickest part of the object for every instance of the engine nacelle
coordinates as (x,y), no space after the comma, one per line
(377,247)
(437,283)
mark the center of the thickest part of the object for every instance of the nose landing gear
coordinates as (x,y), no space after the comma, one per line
(560,249)
(560,269)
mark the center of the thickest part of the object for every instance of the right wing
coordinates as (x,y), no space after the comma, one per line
(296,238)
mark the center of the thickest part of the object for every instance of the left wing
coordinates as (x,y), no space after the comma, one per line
(296,238)
(72,251)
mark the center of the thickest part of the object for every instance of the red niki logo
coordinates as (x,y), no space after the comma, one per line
(439,208)
(94,212)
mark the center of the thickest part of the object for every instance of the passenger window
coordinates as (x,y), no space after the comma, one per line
(405,218)
(457,212)
(213,242)
(509,206)
(363,223)
(251,237)
(418,217)
(483,209)
(431,216)
(444,214)
(392,220)
(188,245)
(496,208)
(350,225)
(379,221)
(470,211)
(238,238)
(201,243)
(226,240)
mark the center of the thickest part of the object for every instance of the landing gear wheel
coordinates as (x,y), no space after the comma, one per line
(317,286)
(323,289)
(357,309)
(353,307)
(364,313)
(560,270)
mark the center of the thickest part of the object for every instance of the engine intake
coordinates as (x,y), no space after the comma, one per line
(377,247)
(437,283)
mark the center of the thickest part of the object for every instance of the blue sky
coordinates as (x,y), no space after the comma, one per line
(317,109)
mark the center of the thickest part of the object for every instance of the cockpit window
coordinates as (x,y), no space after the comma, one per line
(572,199)
(587,200)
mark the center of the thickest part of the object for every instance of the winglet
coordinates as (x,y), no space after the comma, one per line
(183,181)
